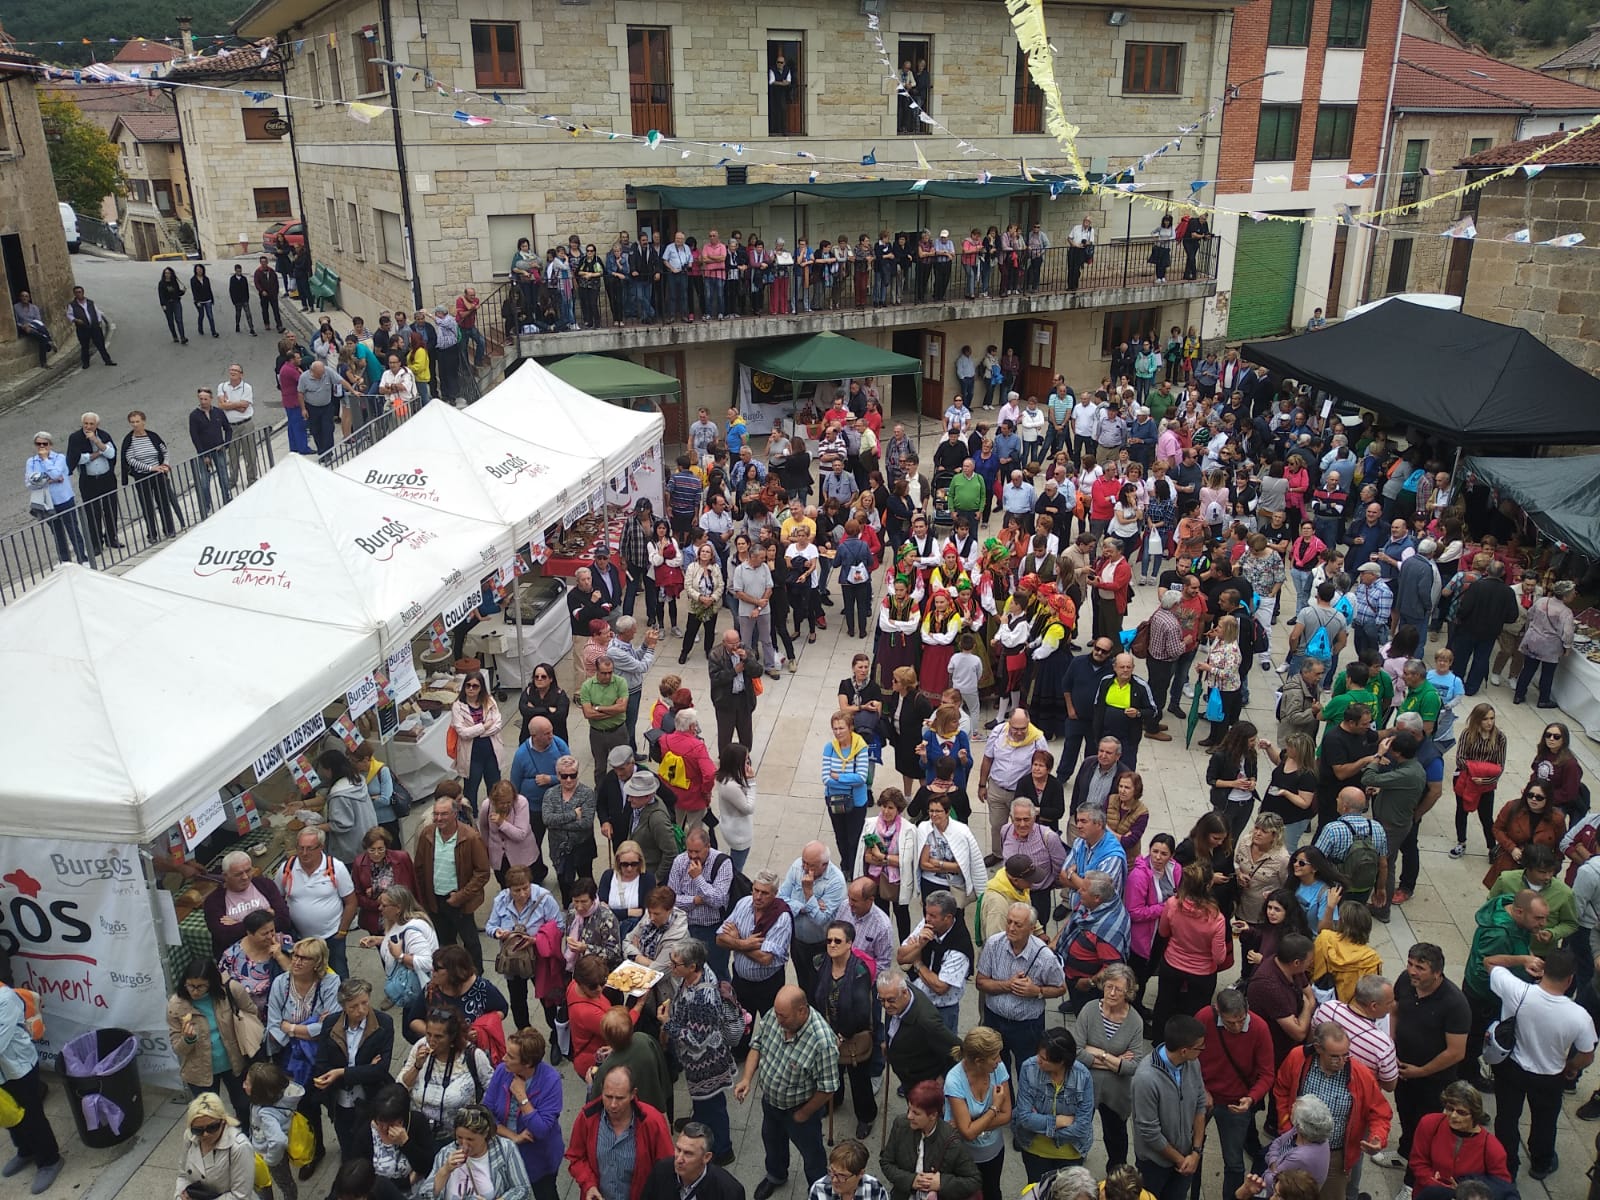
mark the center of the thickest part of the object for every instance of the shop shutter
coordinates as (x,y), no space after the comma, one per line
(1266,271)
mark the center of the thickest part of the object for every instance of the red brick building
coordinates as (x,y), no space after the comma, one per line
(1309,85)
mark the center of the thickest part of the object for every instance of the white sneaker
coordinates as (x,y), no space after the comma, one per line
(1188,692)
(1496,680)
(1403,1194)
(1283,667)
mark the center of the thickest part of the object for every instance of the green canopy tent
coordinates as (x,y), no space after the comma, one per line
(613,378)
(1561,494)
(816,358)
(825,355)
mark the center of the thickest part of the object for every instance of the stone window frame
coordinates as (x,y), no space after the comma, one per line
(1149,49)
(1157,31)
(273,213)
(503,81)
(370,48)
(352,213)
(397,263)
(335,242)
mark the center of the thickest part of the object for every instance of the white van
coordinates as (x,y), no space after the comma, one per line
(69,223)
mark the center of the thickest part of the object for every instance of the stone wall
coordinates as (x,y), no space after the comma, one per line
(225,168)
(574,60)
(1449,140)
(1552,292)
(28,210)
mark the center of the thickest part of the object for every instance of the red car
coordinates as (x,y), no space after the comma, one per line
(295,231)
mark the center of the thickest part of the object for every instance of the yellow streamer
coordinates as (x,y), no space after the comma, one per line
(1027,20)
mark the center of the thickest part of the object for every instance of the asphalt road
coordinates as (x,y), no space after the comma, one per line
(152,373)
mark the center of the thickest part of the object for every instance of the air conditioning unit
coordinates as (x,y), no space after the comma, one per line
(737,176)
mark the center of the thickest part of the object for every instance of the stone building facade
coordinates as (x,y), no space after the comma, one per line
(241,159)
(414,205)
(1451,103)
(33,248)
(158,194)
(1550,291)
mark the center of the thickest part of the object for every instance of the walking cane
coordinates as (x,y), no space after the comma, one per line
(883,1132)
(830,1120)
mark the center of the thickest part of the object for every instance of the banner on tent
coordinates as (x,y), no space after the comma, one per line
(77,922)
(296,740)
(403,680)
(463,608)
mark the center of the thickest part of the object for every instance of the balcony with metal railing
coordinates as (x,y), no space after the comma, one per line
(798,300)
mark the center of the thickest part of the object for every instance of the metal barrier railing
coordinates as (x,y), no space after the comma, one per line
(791,292)
(98,233)
(112,527)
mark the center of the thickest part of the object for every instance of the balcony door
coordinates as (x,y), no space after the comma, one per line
(1039,362)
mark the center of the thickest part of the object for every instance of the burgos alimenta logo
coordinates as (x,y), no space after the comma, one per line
(513,467)
(410,485)
(382,542)
(246,565)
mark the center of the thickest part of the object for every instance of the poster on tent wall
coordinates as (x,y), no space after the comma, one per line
(764,402)
(77,921)
(645,479)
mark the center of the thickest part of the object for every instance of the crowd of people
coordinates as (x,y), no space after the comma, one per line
(999,670)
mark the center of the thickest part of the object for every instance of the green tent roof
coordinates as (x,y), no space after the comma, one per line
(1561,493)
(825,356)
(612,378)
(747,195)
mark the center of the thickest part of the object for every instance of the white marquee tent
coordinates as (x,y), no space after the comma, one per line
(305,542)
(541,408)
(132,704)
(446,460)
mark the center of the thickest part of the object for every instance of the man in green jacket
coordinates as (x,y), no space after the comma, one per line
(1539,873)
(1394,784)
(1504,937)
(966,493)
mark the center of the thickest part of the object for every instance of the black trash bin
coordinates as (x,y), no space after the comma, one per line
(101,1073)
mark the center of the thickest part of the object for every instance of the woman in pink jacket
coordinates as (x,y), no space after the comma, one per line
(480,755)
(1152,880)
(1197,946)
(507,832)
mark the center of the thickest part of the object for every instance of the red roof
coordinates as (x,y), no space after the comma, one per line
(257,61)
(142,50)
(1581,151)
(1434,77)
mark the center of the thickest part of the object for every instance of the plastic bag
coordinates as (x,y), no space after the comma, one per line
(302,1142)
(10,1110)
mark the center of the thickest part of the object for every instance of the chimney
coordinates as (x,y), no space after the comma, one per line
(186,32)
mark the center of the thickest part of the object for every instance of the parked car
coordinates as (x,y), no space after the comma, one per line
(69,224)
(295,231)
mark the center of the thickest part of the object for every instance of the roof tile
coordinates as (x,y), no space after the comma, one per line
(1581,151)
(1434,76)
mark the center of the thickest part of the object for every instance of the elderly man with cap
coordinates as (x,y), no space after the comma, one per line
(649,823)
(1374,607)
(607,577)
(611,803)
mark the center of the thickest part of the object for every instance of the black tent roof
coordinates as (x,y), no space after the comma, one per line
(1465,378)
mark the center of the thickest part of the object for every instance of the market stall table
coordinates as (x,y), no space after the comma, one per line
(546,639)
(1577,691)
(422,764)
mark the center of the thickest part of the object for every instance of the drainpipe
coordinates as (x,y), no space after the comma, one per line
(1384,152)
(399,157)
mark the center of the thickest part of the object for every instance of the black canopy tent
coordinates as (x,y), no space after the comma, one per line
(1472,381)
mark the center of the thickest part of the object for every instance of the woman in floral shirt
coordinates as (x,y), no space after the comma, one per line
(1220,669)
(259,957)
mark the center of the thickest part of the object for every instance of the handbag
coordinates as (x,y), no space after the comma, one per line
(855,1049)
(1154,545)
(10,1110)
(839,803)
(39,503)
(249,1030)
(515,963)
(400,984)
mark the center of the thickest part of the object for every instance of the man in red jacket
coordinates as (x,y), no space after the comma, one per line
(1236,1064)
(1361,1112)
(617,1116)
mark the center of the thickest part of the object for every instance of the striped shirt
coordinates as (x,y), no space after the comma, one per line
(683,494)
(142,455)
(743,920)
(997,960)
(1370,1045)
(711,887)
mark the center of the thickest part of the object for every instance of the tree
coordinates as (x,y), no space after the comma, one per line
(83,159)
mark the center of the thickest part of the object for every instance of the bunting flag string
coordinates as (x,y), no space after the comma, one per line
(1029,27)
